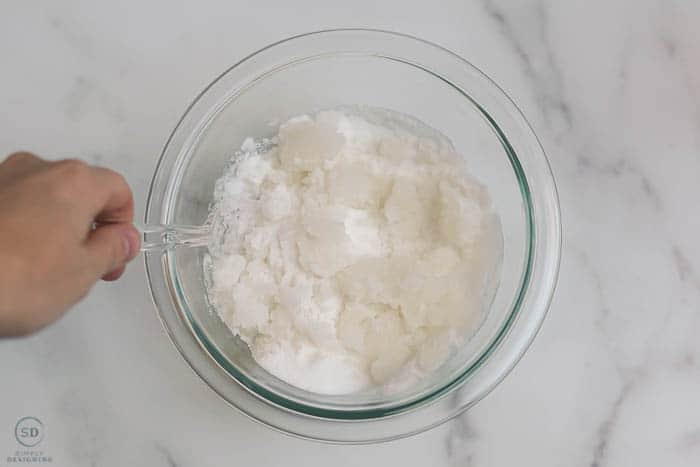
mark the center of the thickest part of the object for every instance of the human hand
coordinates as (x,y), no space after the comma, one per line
(50,254)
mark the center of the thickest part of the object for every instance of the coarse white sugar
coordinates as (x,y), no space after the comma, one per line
(353,249)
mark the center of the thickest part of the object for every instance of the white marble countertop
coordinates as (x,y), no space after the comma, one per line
(613,90)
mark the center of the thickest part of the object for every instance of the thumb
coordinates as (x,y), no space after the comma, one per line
(111,246)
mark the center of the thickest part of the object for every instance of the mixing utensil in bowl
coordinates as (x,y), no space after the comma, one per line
(159,237)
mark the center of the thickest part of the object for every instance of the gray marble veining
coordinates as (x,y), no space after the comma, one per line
(612,88)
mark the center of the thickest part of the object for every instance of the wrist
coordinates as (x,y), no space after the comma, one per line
(10,314)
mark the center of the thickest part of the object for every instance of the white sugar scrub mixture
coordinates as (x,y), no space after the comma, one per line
(351,252)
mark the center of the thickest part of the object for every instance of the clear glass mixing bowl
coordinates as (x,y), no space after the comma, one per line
(328,69)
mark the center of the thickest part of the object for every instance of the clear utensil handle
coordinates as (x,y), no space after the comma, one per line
(159,237)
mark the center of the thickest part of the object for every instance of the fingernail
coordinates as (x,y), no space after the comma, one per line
(126,246)
(132,240)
